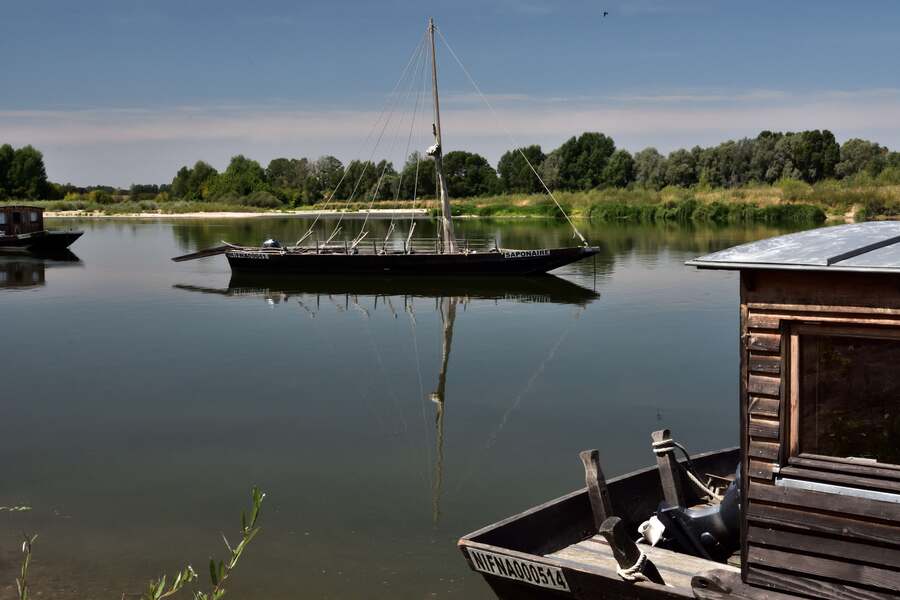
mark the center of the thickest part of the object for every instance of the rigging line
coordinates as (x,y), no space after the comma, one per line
(509,135)
(492,438)
(387,122)
(412,126)
(412,216)
(384,108)
(393,144)
(422,397)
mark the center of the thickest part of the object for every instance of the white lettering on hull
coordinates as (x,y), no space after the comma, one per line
(253,255)
(525,571)
(524,253)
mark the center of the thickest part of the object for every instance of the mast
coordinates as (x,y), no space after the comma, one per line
(437,152)
(448,316)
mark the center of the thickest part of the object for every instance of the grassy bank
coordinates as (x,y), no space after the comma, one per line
(786,202)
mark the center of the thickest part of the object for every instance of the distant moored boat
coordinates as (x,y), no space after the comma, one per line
(22,230)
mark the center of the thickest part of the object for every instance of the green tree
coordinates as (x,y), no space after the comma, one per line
(650,168)
(582,160)
(417,179)
(193,184)
(386,181)
(762,158)
(619,170)
(469,174)
(287,177)
(328,172)
(549,170)
(6,157)
(27,177)
(681,168)
(288,173)
(515,174)
(242,177)
(858,156)
(359,179)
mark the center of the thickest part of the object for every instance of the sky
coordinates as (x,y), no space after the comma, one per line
(127,91)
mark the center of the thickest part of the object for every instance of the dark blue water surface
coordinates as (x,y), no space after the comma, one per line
(141,399)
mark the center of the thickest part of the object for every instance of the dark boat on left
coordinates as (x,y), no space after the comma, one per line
(22,230)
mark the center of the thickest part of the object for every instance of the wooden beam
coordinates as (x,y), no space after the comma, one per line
(669,471)
(625,551)
(601,505)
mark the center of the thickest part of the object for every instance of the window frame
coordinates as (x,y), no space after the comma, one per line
(870,474)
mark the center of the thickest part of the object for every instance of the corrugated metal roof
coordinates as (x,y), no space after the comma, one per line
(865,247)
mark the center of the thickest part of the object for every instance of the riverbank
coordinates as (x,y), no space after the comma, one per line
(201,214)
(786,202)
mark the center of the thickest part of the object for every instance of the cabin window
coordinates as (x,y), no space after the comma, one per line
(848,397)
(2,218)
(17,218)
(34,217)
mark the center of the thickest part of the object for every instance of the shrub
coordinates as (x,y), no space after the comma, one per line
(794,189)
(261,200)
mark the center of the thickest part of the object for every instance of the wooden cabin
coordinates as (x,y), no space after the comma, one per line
(819,482)
(820,409)
(18,220)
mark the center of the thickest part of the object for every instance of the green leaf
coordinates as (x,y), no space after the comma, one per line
(213,577)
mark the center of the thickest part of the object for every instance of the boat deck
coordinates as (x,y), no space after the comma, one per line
(595,554)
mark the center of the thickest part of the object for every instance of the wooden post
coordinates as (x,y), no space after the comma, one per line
(601,505)
(626,552)
(669,470)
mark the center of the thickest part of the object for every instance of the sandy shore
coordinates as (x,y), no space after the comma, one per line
(404,212)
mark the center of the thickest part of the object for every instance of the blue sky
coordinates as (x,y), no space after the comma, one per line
(127,91)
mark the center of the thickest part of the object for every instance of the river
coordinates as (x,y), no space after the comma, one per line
(141,400)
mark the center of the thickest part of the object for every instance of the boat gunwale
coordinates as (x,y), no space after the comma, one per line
(575,493)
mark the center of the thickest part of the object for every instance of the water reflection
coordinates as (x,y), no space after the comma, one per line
(366,294)
(29,271)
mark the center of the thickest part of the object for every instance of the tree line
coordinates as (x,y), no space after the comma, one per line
(588,161)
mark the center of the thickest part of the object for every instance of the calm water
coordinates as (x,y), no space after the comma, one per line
(142,398)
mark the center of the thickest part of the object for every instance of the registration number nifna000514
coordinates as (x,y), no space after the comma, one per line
(518,569)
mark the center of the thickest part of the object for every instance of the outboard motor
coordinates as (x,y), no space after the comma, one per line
(711,532)
(271,243)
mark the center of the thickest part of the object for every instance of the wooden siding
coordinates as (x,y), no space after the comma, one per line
(22,224)
(797,541)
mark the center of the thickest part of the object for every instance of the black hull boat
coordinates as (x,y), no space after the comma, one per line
(495,262)
(22,230)
(442,256)
(39,242)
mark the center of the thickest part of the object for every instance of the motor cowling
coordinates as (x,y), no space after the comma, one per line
(711,532)
(271,243)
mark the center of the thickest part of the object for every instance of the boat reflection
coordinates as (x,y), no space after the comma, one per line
(29,271)
(537,289)
(344,293)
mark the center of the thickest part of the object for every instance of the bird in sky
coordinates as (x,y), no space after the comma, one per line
(605,13)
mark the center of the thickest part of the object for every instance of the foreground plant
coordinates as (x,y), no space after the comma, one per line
(22,579)
(220,571)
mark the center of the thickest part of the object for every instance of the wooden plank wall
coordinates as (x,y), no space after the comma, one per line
(803,542)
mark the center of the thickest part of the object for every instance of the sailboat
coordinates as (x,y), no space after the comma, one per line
(444,255)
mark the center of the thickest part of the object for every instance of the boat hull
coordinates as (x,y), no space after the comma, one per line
(39,241)
(503,262)
(523,556)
